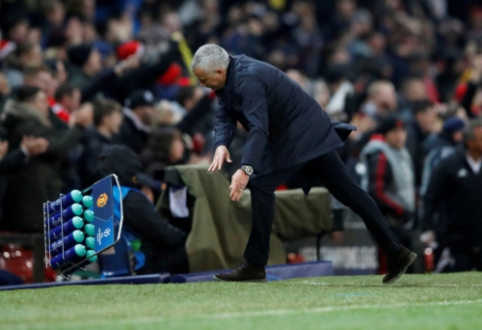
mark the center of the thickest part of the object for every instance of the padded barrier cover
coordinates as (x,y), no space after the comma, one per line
(273,273)
(220,228)
(138,279)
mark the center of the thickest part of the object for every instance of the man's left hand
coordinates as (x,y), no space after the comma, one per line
(239,181)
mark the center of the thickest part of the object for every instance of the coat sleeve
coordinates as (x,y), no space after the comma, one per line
(12,161)
(437,188)
(61,142)
(255,108)
(98,84)
(224,126)
(143,77)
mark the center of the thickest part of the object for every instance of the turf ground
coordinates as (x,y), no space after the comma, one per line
(451,301)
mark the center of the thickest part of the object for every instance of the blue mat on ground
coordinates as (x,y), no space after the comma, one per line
(273,273)
(138,279)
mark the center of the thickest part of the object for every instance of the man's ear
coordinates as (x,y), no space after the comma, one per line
(220,71)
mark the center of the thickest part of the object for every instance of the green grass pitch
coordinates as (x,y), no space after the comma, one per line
(452,301)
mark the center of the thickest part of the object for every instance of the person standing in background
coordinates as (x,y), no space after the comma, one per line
(457,180)
(389,177)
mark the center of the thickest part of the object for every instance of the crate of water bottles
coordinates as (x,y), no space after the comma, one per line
(78,225)
(69,231)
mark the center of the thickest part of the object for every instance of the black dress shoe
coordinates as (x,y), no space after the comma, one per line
(398,265)
(246,272)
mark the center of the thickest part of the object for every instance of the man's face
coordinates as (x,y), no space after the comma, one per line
(145,114)
(94,62)
(215,81)
(458,136)
(386,98)
(114,121)
(33,57)
(427,119)
(40,103)
(177,150)
(42,80)
(71,102)
(416,91)
(396,137)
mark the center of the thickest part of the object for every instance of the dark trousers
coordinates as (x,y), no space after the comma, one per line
(334,176)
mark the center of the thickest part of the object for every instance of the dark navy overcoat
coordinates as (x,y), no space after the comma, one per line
(286,126)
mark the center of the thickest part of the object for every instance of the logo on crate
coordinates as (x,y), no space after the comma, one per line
(102,200)
(101,234)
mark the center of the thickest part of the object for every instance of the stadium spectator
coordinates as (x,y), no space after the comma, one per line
(469,89)
(107,122)
(197,111)
(67,99)
(436,148)
(389,177)
(31,185)
(164,148)
(381,101)
(457,181)
(40,76)
(86,64)
(412,90)
(341,90)
(25,54)
(29,148)
(450,136)
(418,130)
(138,117)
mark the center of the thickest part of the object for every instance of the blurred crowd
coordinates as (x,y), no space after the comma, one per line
(77,76)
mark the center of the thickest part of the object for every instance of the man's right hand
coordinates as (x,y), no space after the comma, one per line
(221,155)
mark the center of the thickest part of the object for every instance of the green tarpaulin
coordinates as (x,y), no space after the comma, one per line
(220,227)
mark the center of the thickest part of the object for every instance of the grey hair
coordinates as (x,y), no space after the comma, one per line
(469,131)
(210,57)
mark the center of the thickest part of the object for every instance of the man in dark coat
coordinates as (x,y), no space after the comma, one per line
(457,180)
(107,121)
(39,180)
(138,116)
(288,133)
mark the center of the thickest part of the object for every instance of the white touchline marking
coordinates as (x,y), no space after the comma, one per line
(385,286)
(274,312)
(317,310)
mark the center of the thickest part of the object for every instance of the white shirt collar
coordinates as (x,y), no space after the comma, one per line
(475,165)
